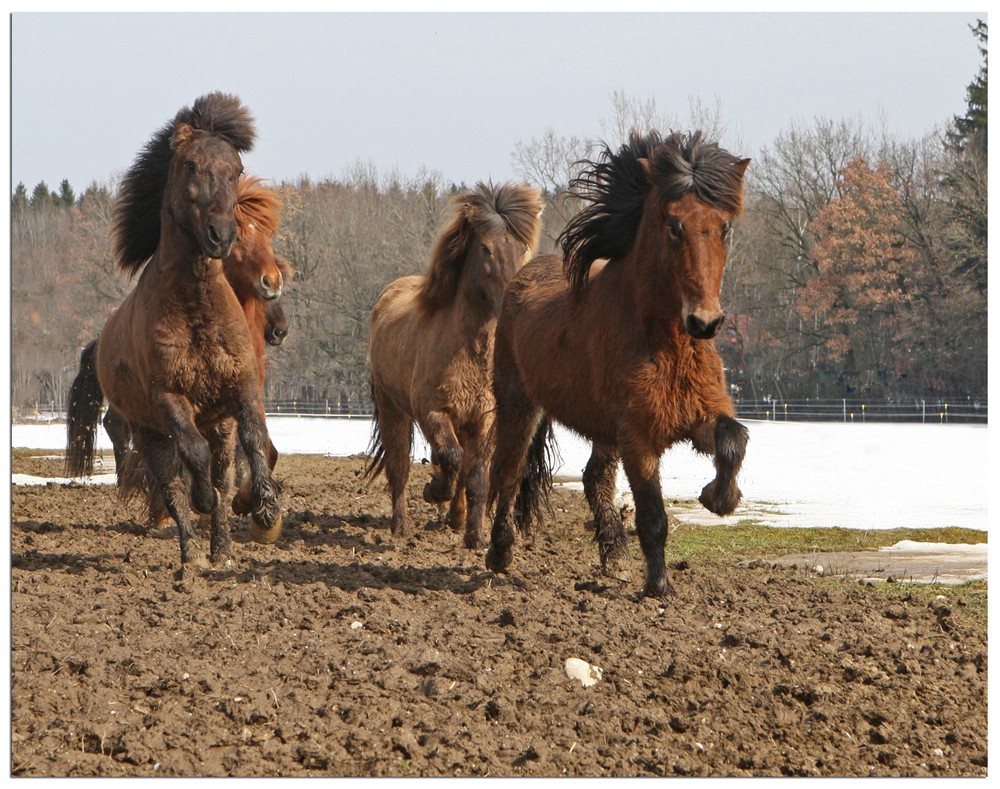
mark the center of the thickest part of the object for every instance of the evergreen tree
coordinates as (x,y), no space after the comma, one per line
(66,198)
(40,196)
(19,200)
(971,127)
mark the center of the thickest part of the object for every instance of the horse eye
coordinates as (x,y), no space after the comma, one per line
(675,227)
(487,251)
(190,167)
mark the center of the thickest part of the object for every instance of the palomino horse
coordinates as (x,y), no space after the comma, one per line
(257,276)
(615,340)
(431,349)
(176,359)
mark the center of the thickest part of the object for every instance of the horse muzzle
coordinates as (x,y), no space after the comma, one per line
(218,239)
(704,327)
(276,335)
(268,289)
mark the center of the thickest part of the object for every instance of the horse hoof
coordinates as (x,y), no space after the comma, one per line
(661,588)
(264,534)
(615,568)
(498,560)
(720,504)
(241,505)
(436,492)
(474,542)
(197,561)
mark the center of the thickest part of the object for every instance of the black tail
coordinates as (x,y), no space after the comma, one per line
(376,452)
(532,502)
(83,411)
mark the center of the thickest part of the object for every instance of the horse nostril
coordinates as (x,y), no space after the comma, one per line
(213,234)
(701,329)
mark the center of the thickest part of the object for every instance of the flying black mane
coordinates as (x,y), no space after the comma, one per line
(616,186)
(136,229)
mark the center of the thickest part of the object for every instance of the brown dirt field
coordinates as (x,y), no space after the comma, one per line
(343,651)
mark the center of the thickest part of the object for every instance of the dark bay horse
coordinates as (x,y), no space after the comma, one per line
(431,350)
(176,359)
(614,340)
(257,277)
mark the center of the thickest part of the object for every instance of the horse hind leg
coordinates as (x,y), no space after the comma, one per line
(599,479)
(220,438)
(729,443)
(471,495)
(392,439)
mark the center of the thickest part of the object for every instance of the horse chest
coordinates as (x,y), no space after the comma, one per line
(674,392)
(201,362)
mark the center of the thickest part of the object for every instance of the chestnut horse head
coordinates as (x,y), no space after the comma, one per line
(667,204)
(489,236)
(251,265)
(186,178)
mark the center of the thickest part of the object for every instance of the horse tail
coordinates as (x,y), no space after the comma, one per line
(532,501)
(82,413)
(376,450)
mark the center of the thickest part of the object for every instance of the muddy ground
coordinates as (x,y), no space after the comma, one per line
(344,651)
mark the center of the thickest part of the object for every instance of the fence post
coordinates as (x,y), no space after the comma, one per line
(844,401)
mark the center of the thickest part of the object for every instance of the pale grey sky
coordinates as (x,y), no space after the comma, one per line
(455,93)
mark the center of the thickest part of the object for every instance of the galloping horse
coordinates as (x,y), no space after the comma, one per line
(176,359)
(257,277)
(615,340)
(431,348)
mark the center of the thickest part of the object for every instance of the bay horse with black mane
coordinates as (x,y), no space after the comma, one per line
(257,277)
(614,341)
(176,359)
(431,351)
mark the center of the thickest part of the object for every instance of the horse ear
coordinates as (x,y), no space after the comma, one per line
(741,167)
(182,134)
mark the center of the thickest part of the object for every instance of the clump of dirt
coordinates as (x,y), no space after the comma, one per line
(342,650)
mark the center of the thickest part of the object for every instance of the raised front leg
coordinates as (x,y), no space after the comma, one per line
(643,472)
(727,441)
(599,479)
(178,418)
(446,455)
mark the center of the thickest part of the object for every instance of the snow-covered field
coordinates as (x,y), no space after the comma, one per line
(856,476)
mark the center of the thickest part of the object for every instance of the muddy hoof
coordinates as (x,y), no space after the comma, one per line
(499,560)
(617,569)
(474,542)
(264,534)
(721,503)
(437,492)
(661,588)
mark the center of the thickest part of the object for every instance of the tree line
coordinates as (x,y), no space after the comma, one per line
(858,269)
